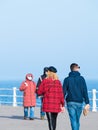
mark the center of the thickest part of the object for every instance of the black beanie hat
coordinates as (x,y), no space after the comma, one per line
(52,69)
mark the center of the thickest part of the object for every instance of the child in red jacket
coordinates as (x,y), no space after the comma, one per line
(29,97)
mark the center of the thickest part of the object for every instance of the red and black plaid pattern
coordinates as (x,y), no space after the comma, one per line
(53,97)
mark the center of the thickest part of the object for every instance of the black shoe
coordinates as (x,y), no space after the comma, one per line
(31,118)
(25,118)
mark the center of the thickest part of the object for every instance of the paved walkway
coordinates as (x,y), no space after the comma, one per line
(11,118)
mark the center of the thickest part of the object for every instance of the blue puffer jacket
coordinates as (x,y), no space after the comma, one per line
(75,89)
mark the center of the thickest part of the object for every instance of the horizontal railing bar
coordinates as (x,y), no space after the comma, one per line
(6,89)
(6,95)
(5,102)
(10,96)
(19,96)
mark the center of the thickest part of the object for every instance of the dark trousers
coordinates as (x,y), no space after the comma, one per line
(52,118)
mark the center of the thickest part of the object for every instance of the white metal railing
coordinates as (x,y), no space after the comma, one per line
(94,100)
(15,96)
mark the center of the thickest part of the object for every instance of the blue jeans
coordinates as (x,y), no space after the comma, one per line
(74,110)
(31,112)
(41,112)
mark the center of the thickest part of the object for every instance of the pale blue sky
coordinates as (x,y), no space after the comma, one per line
(38,33)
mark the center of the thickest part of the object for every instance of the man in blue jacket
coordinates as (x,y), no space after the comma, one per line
(75,92)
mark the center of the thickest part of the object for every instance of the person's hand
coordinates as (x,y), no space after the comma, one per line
(26,84)
(62,109)
(87,107)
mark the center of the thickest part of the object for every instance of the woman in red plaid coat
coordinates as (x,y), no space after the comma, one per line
(53,98)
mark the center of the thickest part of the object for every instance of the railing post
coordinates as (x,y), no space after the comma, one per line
(94,107)
(14,97)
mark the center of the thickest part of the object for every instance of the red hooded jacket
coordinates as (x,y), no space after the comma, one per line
(29,88)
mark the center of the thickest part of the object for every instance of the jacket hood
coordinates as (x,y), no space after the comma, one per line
(29,75)
(74,74)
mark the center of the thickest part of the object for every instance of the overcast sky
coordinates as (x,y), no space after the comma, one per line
(39,33)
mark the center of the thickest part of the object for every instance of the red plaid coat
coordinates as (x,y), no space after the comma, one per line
(53,97)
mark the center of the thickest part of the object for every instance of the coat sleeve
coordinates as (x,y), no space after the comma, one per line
(40,90)
(62,98)
(65,84)
(34,86)
(23,86)
(38,82)
(85,92)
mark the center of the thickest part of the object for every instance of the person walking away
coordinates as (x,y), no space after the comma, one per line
(53,98)
(41,78)
(75,92)
(29,97)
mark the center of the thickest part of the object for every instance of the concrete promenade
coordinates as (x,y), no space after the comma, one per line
(11,118)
